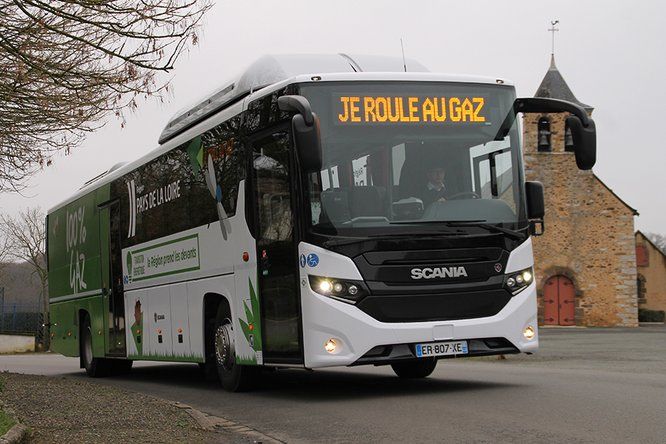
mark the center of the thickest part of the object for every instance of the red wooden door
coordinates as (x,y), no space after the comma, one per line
(558,301)
(566,293)
(551,315)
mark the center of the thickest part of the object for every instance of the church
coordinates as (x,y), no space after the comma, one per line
(585,262)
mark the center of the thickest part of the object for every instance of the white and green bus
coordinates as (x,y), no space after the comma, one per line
(318,211)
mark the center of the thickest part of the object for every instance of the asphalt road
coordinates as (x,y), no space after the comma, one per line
(585,385)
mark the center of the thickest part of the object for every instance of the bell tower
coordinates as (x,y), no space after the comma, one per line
(547,133)
(585,262)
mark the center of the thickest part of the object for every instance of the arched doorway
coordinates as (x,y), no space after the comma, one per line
(558,301)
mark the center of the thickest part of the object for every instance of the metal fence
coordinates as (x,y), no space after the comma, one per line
(18,318)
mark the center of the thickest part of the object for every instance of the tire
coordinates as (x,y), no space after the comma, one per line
(415,369)
(95,367)
(232,376)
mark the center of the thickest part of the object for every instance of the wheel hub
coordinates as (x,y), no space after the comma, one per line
(224,346)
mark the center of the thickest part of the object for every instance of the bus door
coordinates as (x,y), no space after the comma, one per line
(112,278)
(273,200)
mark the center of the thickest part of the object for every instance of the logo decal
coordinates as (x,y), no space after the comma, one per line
(442,272)
(498,267)
(313,260)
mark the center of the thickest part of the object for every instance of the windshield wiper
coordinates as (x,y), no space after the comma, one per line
(516,234)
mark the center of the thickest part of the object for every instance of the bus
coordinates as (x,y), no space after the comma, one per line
(318,211)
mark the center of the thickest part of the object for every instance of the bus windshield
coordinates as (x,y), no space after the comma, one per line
(398,156)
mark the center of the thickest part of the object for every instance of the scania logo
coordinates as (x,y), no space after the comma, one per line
(442,272)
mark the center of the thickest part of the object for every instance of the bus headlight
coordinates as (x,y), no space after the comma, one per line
(340,289)
(517,281)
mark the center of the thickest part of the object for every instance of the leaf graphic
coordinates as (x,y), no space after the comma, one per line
(248,313)
(246,329)
(195,154)
(254,302)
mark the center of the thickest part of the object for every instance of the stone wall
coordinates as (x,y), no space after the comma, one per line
(16,344)
(655,276)
(589,233)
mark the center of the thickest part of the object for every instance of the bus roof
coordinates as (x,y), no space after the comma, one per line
(272,69)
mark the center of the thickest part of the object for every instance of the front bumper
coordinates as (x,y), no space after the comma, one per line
(358,335)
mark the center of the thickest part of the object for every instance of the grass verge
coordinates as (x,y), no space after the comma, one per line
(6,422)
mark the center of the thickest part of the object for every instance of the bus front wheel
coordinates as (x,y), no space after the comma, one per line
(234,377)
(415,369)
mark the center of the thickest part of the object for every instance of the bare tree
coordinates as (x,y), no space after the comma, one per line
(4,253)
(67,64)
(658,239)
(25,241)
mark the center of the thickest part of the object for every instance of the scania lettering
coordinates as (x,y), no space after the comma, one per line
(293,218)
(444,272)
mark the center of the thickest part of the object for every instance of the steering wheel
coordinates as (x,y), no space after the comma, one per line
(465,195)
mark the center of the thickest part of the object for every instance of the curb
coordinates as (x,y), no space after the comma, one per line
(15,435)
(215,424)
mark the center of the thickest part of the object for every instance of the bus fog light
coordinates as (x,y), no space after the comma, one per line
(352,290)
(338,287)
(331,345)
(519,279)
(510,283)
(529,333)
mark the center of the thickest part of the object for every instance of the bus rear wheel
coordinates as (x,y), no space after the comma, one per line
(95,367)
(234,377)
(415,369)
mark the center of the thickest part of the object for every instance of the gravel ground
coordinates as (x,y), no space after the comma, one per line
(59,409)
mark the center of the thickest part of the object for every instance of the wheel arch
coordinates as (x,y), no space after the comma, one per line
(80,318)
(214,304)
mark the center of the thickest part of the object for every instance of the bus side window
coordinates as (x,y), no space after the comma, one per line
(271,169)
(222,146)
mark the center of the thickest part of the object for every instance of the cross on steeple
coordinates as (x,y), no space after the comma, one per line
(553,30)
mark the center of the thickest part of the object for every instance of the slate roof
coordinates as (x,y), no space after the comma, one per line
(554,86)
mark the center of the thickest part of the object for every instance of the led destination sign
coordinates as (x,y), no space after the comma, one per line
(408,109)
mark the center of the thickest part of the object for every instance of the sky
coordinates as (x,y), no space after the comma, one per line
(609,52)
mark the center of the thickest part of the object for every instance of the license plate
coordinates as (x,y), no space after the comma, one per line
(441,349)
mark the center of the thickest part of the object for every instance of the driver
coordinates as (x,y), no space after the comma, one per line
(435,190)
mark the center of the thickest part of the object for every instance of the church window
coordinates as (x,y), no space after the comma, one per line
(640,283)
(544,134)
(568,139)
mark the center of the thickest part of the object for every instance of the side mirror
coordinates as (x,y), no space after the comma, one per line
(535,207)
(305,126)
(583,130)
(535,201)
(585,142)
